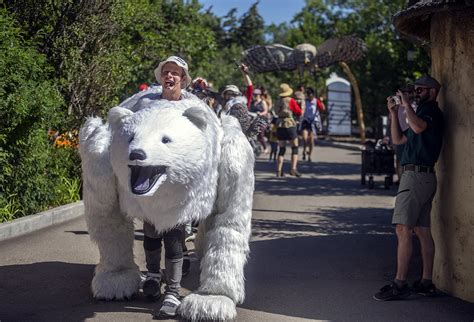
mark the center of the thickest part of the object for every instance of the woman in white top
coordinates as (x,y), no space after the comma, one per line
(311,122)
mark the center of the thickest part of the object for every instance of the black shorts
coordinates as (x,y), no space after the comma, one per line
(306,125)
(286,134)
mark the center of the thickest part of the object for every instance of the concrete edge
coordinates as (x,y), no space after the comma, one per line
(31,223)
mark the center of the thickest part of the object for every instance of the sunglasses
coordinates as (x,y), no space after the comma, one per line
(420,90)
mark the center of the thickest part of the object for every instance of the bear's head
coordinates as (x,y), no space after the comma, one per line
(168,152)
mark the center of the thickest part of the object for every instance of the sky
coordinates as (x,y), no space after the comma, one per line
(272,11)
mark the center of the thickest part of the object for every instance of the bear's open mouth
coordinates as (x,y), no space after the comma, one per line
(144,178)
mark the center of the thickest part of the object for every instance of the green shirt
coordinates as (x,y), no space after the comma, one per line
(424,148)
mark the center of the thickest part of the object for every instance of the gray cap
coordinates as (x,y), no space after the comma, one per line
(233,89)
(427,81)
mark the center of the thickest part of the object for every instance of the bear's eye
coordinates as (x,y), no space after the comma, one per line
(165,140)
(130,139)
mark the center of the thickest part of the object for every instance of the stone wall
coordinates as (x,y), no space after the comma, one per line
(452,51)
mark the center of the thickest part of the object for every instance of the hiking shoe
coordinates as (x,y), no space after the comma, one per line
(425,290)
(169,307)
(392,292)
(295,173)
(152,286)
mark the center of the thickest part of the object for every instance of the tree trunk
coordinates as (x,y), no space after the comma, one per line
(358,101)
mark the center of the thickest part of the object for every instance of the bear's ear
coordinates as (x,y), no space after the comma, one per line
(197,116)
(117,115)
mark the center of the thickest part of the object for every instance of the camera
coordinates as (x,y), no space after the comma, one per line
(395,100)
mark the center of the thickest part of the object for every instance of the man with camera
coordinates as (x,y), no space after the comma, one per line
(423,139)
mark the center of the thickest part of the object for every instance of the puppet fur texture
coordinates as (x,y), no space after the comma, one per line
(169,162)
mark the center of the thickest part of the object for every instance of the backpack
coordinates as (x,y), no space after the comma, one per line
(285,115)
(282,108)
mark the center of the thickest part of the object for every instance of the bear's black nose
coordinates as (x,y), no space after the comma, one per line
(137,154)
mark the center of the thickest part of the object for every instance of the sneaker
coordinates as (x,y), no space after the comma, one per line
(425,290)
(392,292)
(170,306)
(152,285)
(304,156)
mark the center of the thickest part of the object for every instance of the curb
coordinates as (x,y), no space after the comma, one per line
(28,224)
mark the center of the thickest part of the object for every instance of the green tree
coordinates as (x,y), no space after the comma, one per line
(251,29)
(30,104)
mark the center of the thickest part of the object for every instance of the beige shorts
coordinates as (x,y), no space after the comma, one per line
(414,199)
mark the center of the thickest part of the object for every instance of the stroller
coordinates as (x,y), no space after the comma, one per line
(377,159)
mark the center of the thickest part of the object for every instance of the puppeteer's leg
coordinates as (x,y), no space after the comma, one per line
(152,247)
(116,276)
(174,271)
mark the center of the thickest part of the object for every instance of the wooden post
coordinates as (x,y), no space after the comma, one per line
(358,100)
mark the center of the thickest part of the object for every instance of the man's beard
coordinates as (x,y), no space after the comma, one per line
(421,99)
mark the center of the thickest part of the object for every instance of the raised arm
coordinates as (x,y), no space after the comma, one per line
(417,124)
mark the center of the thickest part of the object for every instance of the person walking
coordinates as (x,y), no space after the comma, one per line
(417,187)
(286,129)
(311,122)
(173,75)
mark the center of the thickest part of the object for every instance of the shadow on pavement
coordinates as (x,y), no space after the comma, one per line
(318,186)
(326,168)
(326,221)
(327,184)
(54,291)
(59,291)
(316,277)
(137,236)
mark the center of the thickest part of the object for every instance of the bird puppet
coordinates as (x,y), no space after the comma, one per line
(276,57)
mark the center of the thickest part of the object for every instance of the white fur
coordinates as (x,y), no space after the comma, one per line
(209,176)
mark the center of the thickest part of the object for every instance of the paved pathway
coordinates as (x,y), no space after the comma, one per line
(321,246)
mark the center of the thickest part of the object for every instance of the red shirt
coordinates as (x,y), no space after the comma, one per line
(320,105)
(295,108)
(248,94)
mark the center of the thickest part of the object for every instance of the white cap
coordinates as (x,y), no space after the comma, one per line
(178,61)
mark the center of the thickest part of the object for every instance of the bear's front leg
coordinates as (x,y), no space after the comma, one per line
(116,276)
(201,306)
(226,242)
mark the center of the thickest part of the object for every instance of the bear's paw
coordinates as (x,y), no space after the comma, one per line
(121,285)
(197,307)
